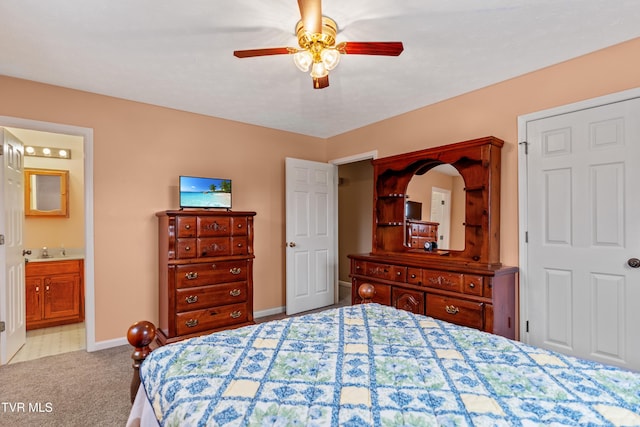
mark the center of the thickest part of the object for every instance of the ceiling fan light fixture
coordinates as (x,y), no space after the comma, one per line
(318,70)
(303,60)
(330,58)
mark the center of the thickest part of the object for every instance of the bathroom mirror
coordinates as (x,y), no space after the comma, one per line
(46,192)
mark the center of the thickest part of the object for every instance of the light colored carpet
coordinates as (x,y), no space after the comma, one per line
(71,389)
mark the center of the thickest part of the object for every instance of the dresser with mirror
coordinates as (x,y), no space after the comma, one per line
(453,272)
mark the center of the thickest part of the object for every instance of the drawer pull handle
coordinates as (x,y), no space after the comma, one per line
(236,314)
(235,292)
(235,270)
(187,248)
(191,323)
(191,275)
(472,285)
(413,276)
(239,225)
(398,273)
(191,299)
(239,245)
(452,309)
(188,227)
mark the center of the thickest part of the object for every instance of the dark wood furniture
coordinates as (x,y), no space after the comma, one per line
(206,272)
(421,232)
(468,287)
(54,293)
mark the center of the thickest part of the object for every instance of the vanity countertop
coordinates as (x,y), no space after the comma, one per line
(56,255)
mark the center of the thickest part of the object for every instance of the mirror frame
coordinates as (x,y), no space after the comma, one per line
(478,162)
(30,210)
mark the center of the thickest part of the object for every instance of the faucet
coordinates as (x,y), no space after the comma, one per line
(44,252)
(63,252)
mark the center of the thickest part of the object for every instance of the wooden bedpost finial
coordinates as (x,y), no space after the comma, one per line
(140,335)
(366,292)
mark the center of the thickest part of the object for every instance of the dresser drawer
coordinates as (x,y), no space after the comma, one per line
(414,275)
(186,226)
(213,246)
(473,285)
(385,271)
(442,280)
(455,310)
(239,245)
(210,226)
(209,296)
(210,273)
(201,320)
(186,248)
(239,226)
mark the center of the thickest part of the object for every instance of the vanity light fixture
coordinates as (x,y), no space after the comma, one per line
(51,153)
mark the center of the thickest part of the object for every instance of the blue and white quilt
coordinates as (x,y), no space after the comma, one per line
(369,365)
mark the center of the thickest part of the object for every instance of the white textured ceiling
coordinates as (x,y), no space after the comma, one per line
(178,53)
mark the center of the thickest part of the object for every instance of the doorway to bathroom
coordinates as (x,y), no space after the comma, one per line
(67,239)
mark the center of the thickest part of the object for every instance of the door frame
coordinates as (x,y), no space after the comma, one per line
(368,155)
(89,280)
(522,182)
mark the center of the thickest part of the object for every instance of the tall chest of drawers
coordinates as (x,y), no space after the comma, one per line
(205,272)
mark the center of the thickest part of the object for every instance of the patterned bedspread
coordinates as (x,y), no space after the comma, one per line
(375,365)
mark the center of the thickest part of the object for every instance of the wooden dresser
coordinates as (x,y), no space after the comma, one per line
(206,272)
(479,297)
(421,232)
(469,286)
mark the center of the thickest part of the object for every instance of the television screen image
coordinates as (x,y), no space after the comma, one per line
(413,210)
(198,192)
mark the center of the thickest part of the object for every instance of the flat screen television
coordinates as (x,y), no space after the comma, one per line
(413,210)
(205,193)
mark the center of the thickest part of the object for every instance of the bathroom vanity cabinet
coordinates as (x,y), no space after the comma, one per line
(54,293)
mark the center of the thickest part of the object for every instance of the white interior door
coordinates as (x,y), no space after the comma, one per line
(583,292)
(311,234)
(12,287)
(441,213)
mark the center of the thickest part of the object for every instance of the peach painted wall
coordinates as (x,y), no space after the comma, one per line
(494,110)
(139,152)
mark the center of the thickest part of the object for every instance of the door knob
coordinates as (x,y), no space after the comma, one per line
(292,244)
(634,262)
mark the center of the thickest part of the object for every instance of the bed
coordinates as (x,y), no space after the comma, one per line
(371,364)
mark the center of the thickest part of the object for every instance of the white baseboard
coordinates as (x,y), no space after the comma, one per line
(268,312)
(344,284)
(103,345)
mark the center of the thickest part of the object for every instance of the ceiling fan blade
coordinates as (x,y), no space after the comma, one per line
(311,15)
(321,82)
(263,52)
(371,48)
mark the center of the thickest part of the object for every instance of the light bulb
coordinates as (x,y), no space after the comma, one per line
(62,153)
(46,151)
(30,150)
(318,70)
(303,60)
(330,58)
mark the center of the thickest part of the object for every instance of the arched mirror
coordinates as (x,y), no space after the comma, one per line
(435,209)
(46,192)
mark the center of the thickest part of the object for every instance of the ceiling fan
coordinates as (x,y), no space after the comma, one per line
(318,51)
